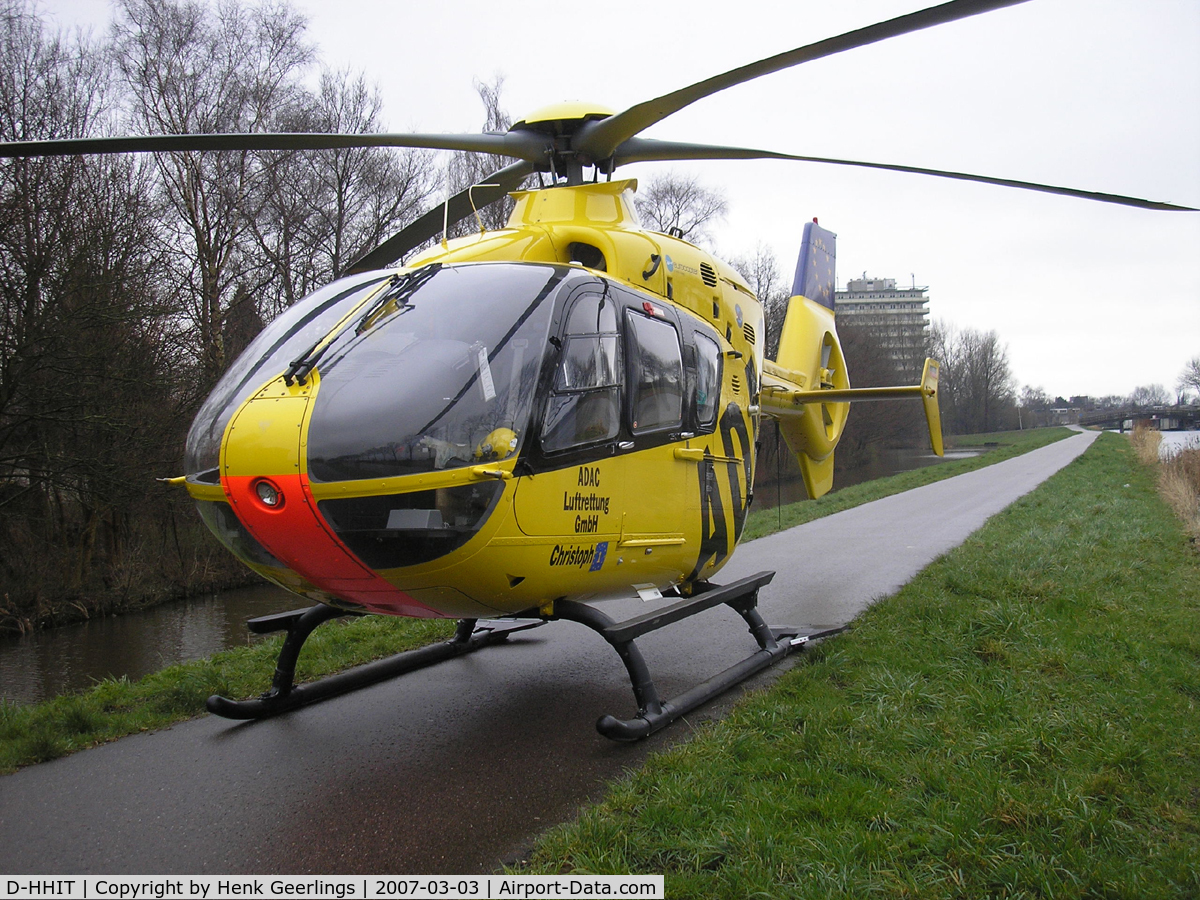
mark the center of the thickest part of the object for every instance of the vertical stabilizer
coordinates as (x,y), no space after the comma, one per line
(816,269)
(806,387)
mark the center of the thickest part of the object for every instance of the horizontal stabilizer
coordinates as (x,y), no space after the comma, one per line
(783,396)
(807,389)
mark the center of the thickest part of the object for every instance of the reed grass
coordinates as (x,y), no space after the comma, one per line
(1178,474)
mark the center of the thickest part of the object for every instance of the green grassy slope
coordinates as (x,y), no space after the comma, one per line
(1020,721)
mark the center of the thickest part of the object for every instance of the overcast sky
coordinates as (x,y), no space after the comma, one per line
(1097,94)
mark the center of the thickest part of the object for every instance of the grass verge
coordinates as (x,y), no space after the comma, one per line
(1019,721)
(114,708)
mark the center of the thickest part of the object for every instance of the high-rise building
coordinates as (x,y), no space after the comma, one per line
(897,317)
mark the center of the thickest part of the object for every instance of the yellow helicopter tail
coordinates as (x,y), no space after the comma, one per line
(807,388)
(810,365)
(812,409)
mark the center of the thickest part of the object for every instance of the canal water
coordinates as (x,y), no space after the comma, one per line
(38,666)
(1174,441)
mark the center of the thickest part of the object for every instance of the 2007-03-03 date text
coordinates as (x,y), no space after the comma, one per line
(431,887)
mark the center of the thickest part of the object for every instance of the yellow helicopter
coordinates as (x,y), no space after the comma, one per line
(518,424)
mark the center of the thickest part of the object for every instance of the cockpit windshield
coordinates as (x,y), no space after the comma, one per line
(440,376)
(268,355)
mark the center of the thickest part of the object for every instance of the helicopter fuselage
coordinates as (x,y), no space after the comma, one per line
(565,408)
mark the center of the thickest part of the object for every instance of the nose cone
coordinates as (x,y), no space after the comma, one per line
(264,479)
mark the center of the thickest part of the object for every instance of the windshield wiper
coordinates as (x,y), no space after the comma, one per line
(396,289)
(398,295)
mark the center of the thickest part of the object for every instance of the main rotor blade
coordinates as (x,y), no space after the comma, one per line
(648,150)
(454,210)
(597,140)
(528,146)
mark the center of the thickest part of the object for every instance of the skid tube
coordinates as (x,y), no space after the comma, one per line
(285,695)
(653,712)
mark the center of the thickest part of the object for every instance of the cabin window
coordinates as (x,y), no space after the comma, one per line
(390,531)
(585,405)
(655,374)
(588,362)
(593,314)
(708,380)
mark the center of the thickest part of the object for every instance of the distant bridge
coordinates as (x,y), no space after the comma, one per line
(1162,418)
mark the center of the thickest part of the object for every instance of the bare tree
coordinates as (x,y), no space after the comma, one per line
(192,69)
(1034,398)
(976,388)
(48,89)
(761,270)
(1189,378)
(126,283)
(465,169)
(1034,405)
(87,398)
(678,204)
(1149,395)
(321,209)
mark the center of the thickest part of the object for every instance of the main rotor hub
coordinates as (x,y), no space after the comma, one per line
(562,118)
(560,122)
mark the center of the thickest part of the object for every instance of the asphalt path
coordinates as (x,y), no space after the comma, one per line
(455,769)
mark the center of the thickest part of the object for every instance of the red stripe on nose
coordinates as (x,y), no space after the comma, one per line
(281,513)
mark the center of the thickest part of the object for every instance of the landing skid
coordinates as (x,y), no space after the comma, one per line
(653,712)
(285,695)
(471,635)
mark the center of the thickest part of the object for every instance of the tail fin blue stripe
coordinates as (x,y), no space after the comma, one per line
(816,267)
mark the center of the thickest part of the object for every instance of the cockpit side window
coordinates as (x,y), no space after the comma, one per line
(585,403)
(655,374)
(708,381)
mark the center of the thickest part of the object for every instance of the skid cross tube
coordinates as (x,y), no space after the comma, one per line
(285,695)
(653,712)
